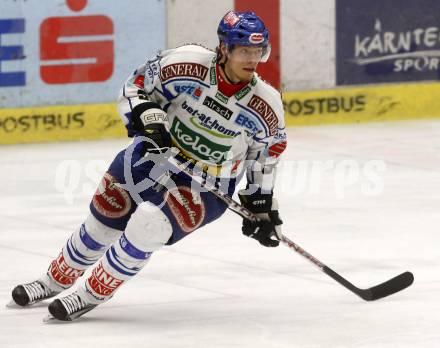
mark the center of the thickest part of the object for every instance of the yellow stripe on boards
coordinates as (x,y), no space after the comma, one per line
(60,123)
(362,104)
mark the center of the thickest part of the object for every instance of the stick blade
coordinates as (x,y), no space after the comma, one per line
(396,284)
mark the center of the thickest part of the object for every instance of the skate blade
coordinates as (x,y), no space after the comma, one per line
(12,304)
(49,318)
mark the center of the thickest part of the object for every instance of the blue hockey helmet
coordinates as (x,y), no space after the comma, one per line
(246,29)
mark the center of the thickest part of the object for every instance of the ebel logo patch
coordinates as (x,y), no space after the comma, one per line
(265,111)
(195,70)
(197,144)
(217,107)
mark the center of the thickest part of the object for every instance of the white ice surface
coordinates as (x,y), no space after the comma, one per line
(217,288)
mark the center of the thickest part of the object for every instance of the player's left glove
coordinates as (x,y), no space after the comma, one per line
(268,230)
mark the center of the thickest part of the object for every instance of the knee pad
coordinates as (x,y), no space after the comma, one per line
(99,232)
(148,228)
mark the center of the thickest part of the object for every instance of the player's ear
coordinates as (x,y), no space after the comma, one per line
(223,49)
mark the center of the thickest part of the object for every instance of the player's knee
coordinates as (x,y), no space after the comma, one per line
(100,232)
(148,228)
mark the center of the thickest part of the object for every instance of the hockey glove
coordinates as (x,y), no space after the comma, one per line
(158,138)
(266,208)
(150,121)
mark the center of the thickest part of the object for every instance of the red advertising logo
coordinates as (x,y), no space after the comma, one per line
(67,41)
(188,213)
(231,18)
(111,200)
(256,38)
(277,149)
(102,282)
(62,273)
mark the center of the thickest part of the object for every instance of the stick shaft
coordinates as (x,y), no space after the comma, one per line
(389,287)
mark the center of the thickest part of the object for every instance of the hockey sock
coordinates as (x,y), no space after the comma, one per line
(84,247)
(121,262)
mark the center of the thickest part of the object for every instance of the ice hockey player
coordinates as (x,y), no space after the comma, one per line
(224,120)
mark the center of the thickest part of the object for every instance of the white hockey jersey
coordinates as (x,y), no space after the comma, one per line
(224,135)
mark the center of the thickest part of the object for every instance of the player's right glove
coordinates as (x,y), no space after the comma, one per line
(159,139)
(150,121)
(268,230)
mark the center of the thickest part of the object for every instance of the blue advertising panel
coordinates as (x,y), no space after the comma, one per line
(74,51)
(387,41)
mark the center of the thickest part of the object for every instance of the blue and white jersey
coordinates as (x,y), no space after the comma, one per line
(224,135)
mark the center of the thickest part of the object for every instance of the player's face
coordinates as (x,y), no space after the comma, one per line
(243,60)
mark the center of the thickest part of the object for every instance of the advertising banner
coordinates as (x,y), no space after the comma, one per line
(74,51)
(387,41)
(362,104)
(60,123)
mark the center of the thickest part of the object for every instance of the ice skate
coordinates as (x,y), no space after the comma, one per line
(68,308)
(31,293)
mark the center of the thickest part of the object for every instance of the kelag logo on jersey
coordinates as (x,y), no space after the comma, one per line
(193,89)
(197,144)
(373,45)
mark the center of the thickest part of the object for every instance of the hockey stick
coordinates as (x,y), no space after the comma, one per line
(384,289)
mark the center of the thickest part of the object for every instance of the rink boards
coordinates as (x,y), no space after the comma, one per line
(60,123)
(333,106)
(362,104)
